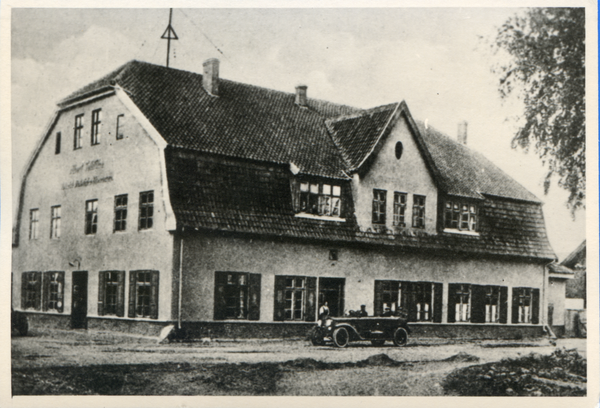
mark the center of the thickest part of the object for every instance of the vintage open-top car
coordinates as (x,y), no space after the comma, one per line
(342,330)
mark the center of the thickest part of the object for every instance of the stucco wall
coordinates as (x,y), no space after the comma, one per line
(128,166)
(408,175)
(203,255)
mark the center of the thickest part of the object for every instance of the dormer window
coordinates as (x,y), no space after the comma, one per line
(460,216)
(320,199)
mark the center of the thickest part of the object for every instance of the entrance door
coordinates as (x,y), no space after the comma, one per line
(79,300)
(331,290)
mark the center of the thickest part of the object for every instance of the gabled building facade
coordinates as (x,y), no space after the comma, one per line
(159,196)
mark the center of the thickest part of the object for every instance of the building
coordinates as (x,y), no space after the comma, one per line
(576,302)
(158,196)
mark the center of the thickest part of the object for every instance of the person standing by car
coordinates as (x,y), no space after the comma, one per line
(324,311)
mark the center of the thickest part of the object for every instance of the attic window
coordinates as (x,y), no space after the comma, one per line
(460,216)
(320,199)
(399,150)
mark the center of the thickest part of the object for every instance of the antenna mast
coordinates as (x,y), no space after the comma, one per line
(169,35)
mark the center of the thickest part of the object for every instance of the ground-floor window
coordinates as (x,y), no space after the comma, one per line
(111,293)
(143,294)
(31,290)
(237,296)
(525,305)
(477,303)
(421,301)
(295,298)
(331,293)
(53,291)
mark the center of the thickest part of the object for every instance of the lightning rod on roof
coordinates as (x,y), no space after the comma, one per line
(169,35)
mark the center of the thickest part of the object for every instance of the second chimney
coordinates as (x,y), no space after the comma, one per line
(301,95)
(210,76)
(462,132)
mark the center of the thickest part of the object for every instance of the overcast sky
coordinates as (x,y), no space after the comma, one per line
(431,58)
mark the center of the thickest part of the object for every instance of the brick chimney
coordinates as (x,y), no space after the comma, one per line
(210,76)
(301,95)
(462,132)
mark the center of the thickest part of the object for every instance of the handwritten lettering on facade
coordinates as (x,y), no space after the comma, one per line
(86,182)
(89,165)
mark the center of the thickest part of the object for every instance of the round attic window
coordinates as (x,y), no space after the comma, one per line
(399,149)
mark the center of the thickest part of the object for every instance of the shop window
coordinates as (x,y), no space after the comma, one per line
(78,130)
(96,126)
(320,199)
(111,293)
(525,305)
(57,143)
(34,223)
(143,294)
(399,209)
(421,301)
(418,219)
(31,290)
(55,221)
(379,204)
(91,217)
(295,298)
(120,122)
(120,212)
(331,291)
(237,296)
(53,291)
(146,210)
(459,303)
(460,216)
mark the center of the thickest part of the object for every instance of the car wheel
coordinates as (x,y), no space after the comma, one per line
(316,338)
(378,343)
(341,338)
(400,337)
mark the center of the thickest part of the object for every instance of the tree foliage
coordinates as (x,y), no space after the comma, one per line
(546,70)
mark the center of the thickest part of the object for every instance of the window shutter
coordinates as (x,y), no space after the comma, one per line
(535,306)
(311,299)
(254,296)
(46,290)
(295,187)
(437,302)
(38,290)
(452,288)
(154,295)
(220,281)
(279,304)
(61,290)
(378,304)
(132,292)
(101,289)
(515,305)
(121,294)
(503,304)
(478,296)
(409,294)
(24,280)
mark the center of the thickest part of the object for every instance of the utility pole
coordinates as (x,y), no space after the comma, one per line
(169,35)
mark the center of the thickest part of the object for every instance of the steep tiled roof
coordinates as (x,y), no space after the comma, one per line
(578,256)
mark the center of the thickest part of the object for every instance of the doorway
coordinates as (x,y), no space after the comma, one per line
(331,290)
(79,300)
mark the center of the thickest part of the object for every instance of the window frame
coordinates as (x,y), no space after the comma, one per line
(96,129)
(306,305)
(520,315)
(379,207)
(31,290)
(55,221)
(53,291)
(91,217)
(320,199)
(34,223)
(119,134)
(459,302)
(461,216)
(418,218)
(146,211)
(143,303)
(120,213)
(237,298)
(420,300)
(400,208)
(78,131)
(57,143)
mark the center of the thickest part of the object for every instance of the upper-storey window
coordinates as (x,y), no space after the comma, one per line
(320,199)
(57,145)
(418,220)
(460,216)
(120,121)
(379,203)
(96,126)
(55,221)
(91,217)
(120,212)
(78,131)
(146,210)
(399,209)
(34,223)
